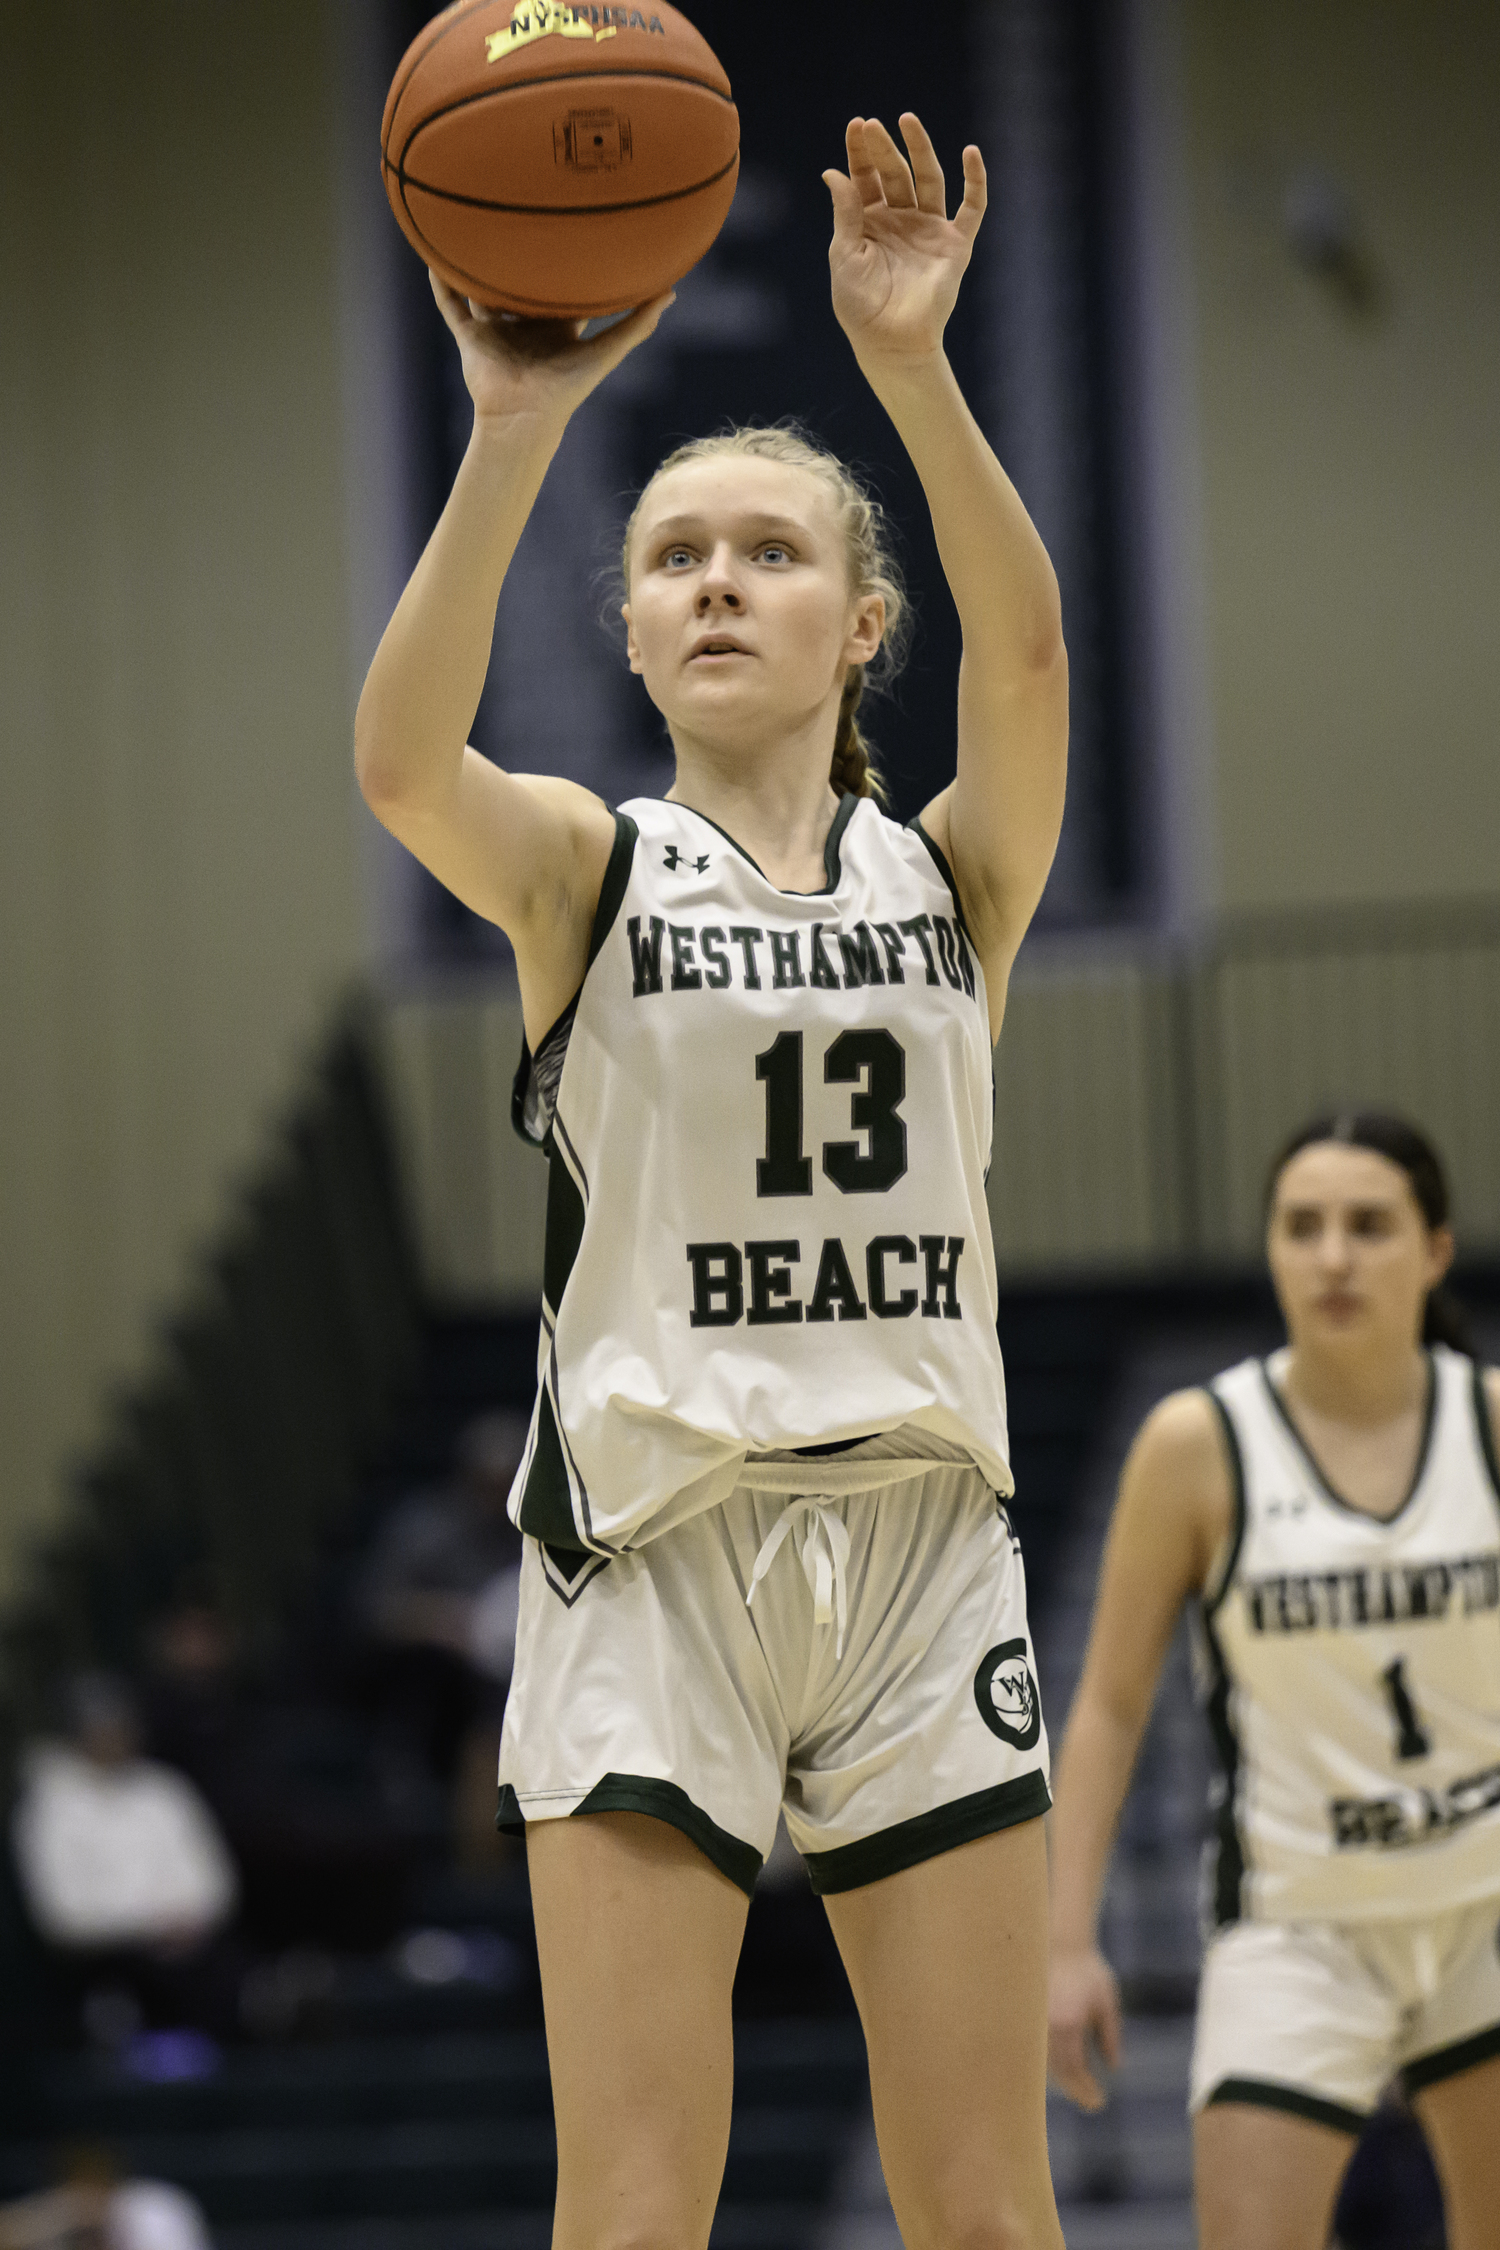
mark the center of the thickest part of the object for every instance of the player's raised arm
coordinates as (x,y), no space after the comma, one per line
(1171,1517)
(526,851)
(897,261)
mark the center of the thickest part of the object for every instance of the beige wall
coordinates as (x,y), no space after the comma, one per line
(178,886)
(1350,472)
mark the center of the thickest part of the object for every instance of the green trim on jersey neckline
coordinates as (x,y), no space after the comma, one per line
(831,843)
(1320,1477)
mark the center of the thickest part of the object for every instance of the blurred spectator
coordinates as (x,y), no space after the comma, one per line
(196,1716)
(437,1599)
(326,1847)
(440,1548)
(122,1866)
(96,2211)
(114,1849)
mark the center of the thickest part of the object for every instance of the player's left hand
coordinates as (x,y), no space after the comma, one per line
(896,257)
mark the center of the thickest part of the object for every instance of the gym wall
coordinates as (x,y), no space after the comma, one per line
(179,879)
(1349,469)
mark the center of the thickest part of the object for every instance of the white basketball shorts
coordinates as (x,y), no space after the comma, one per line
(1317,2017)
(879,1687)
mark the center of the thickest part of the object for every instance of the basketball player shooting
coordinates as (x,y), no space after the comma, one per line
(768,1567)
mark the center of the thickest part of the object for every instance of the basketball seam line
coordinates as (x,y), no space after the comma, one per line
(543,306)
(558,78)
(559,210)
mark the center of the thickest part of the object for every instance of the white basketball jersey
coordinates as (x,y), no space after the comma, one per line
(1351,1671)
(768,1120)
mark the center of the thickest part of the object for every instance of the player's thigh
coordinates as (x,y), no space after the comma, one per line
(948,1961)
(1461,2118)
(1264,2179)
(638,1935)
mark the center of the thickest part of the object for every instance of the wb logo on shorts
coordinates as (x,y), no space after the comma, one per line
(1006,1694)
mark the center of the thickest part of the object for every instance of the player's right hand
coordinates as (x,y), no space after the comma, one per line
(537,367)
(1083,2024)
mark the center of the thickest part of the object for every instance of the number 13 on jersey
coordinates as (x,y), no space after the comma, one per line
(902,1277)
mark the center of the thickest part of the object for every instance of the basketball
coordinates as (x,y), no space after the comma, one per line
(559,161)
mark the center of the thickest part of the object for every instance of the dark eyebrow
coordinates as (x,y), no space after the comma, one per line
(761,527)
(1317,1207)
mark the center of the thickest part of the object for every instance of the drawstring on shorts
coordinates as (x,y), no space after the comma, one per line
(823,1546)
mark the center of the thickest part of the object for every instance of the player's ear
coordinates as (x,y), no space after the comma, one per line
(632,645)
(1440,1249)
(867,629)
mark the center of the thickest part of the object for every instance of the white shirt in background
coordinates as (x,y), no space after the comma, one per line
(118,1855)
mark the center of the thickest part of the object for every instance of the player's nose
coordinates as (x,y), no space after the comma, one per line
(719,582)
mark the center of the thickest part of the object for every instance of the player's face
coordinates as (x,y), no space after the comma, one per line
(1351,1254)
(740,617)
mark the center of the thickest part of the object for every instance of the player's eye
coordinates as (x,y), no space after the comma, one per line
(775,552)
(676,558)
(1303,1226)
(1372,1222)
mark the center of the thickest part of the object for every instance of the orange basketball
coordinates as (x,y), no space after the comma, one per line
(558,160)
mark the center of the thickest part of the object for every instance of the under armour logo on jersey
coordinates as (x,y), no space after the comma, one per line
(676,859)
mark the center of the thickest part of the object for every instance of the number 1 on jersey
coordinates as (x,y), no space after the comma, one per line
(1412,1740)
(783,1170)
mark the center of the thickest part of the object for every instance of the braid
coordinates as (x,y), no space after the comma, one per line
(853,771)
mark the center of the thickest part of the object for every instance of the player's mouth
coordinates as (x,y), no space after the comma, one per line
(1339,1304)
(716,648)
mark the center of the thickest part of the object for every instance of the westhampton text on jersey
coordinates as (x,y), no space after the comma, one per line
(713,957)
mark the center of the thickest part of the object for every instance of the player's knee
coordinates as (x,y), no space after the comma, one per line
(993,2226)
(657,2234)
(641,2222)
(639,2230)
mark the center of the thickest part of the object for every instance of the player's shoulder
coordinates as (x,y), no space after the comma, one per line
(583,809)
(1178,1493)
(1185,1426)
(1183,1451)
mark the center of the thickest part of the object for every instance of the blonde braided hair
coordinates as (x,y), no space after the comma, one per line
(869,557)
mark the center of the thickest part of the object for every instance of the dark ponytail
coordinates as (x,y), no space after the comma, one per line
(1445,1320)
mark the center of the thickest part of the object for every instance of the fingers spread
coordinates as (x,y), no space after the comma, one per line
(895,173)
(926,172)
(976,195)
(847,208)
(863,170)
